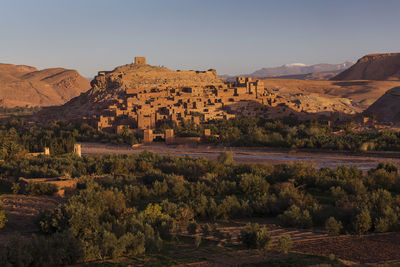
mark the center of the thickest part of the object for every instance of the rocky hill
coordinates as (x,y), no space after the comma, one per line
(112,87)
(373,67)
(24,85)
(387,107)
(141,95)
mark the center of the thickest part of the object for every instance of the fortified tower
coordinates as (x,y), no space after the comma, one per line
(140,60)
(77,150)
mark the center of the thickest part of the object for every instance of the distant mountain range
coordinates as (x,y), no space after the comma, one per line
(299,69)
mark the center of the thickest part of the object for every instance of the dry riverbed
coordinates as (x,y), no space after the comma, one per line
(248,155)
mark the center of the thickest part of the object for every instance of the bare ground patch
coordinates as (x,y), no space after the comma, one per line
(372,248)
(22,213)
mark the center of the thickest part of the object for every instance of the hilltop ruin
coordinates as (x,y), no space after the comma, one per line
(138,96)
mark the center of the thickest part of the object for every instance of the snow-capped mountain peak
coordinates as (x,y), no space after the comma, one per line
(295,65)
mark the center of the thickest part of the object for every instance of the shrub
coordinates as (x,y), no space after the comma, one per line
(192,228)
(333,226)
(264,240)
(295,217)
(285,243)
(288,195)
(362,222)
(15,188)
(383,179)
(253,185)
(248,236)
(388,166)
(3,217)
(226,158)
(356,187)
(382,225)
(179,191)
(229,207)
(253,236)
(337,192)
(38,189)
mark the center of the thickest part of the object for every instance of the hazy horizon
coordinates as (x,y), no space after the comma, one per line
(231,36)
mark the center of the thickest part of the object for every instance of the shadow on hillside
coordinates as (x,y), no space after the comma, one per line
(352,83)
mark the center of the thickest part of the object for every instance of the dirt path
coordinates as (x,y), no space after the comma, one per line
(247,155)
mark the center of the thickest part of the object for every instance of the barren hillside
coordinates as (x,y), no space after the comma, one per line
(387,107)
(373,67)
(24,85)
(361,93)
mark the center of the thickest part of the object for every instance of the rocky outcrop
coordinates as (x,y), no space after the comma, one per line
(387,107)
(24,85)
(373,67)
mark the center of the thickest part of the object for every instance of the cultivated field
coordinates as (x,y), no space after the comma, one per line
(372,248)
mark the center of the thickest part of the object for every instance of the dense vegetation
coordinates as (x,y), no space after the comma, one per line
(292,133)
(134,204)
(18,111)
(16,138)
(3,218)
(38,189)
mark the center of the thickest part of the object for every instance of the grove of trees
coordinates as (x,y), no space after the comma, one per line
(134,204)
(291,133)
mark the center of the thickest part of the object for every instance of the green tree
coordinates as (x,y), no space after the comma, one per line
(333,226)
(254,236)
(264,240)
(226,158)
(362,222)
(296,217)
(285,243)
(38,189)
(253,185)
(3,217)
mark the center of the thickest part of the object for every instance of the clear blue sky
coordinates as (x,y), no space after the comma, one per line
(229,35)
